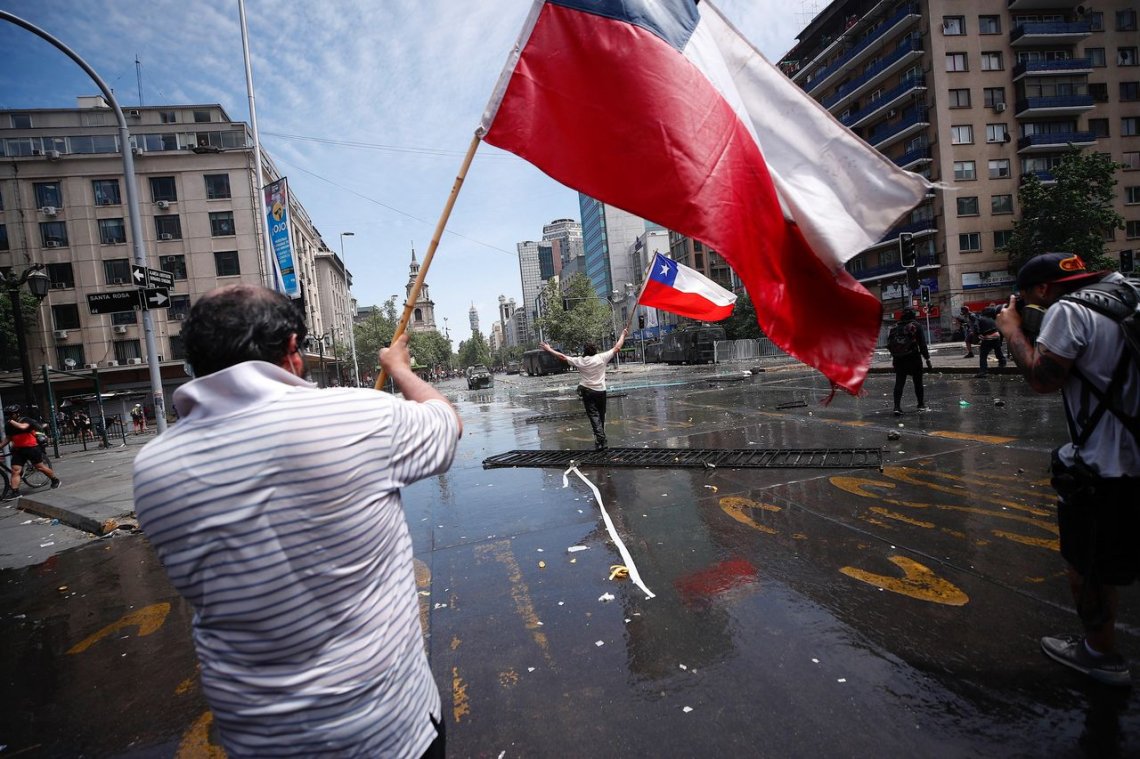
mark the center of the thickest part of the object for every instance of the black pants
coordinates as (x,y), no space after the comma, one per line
(438,747)
(595,403)
(908,366)
(984,349)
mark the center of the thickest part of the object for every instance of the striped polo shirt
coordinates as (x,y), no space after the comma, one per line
(275,508)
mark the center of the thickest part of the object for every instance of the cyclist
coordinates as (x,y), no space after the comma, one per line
(21,430)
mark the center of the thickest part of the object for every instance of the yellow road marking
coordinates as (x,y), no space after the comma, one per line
(918,582)
(460,706)
(734,506)
(195,742)
(992,439)
(914,477)
(501,552)
(900,517)
(148,619)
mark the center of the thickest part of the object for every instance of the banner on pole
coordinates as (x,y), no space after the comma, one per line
(277,218)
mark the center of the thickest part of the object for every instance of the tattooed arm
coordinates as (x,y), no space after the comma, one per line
(1044,371)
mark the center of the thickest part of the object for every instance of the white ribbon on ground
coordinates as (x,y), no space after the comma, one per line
(625,557)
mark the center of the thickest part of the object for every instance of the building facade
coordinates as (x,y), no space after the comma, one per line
(608,237)
(977,95)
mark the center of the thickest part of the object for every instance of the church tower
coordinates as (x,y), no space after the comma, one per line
(423,313)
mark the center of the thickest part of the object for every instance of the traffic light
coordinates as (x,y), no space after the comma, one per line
(907,254)
(641,321)
(565,304)
(1126,263)
(924,293)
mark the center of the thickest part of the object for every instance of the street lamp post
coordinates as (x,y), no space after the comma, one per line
(38,284)
(352,316)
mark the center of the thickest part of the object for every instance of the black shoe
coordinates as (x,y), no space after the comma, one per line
(898,411)
(11,495)
(968,355)
(55,483)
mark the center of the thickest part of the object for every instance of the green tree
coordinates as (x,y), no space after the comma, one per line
(474,351)
(372,334)
(587,319)
(742,324)
(9,347)
(430,348)
(1071,215)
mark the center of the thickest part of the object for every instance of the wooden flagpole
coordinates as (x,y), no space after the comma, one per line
(414,295)
(644,282)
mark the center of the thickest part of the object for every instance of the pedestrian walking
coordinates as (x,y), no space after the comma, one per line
(20,430)
(989,341)
(138,419)
(907,346)
(591,367)
(1083,352)
(969,324)
(275,508)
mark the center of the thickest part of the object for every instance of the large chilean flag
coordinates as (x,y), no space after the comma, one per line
(662,108)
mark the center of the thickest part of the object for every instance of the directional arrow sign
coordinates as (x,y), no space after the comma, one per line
(113,303)
(155,298)
(138,275)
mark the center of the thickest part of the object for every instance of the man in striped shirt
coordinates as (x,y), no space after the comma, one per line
(275,509)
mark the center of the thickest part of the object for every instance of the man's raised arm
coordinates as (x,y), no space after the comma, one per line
(397,362)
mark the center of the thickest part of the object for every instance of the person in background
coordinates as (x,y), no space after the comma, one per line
(306,618)
(591,368)
(20,430)
(989,340)
(1065,345)
(907,346)
(969,324)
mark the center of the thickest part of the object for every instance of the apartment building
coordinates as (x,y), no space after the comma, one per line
(63,205)
(976,94)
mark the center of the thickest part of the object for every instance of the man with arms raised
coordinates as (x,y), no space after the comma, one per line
(275,508)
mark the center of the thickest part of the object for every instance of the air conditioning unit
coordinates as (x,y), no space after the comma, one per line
(112,363)
(892,113)
(163,204)
(179,316)
(53,155)
(999,107)
(51,244)
(90,366)
(134,113)
(117,282)
(137,149)
(60,334)
(49,210)
(120,329)
(105,202)
(134,361)
(166,236)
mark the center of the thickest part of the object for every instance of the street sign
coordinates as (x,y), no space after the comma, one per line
(113,303)
(155,297)
(144,276)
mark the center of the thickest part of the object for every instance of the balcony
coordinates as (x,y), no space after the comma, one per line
(1057,105)
(926,262)
(912,158)
(865,47)
(890,99)
(1039,33)
(1040,5)
(1065,67)
(913,121)
(908,50)
(1051,143)
(1046,177)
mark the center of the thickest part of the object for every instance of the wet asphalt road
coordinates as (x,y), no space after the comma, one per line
(851,613)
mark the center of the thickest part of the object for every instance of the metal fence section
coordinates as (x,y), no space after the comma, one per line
(729,351)
(695,458)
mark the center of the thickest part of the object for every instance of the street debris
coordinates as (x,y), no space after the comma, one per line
(606,597)
(893,435)
(575,549)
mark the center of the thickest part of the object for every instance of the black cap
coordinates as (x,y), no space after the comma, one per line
(907,314)
(1053,267)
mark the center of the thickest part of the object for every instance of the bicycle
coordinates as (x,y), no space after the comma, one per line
(30,477)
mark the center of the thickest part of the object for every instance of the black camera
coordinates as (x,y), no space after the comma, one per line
(1031,317)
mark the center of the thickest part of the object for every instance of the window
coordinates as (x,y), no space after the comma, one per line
(168,117)
(968,206)
(124,317)
(1002,238)
(21,121)
(1131,195)
(106,192)
(117,271)
(1,202)
(1129,91)
(964,171)
(1098,91)
(960,98)
(168,227)
(1109,235)
(1128,126)
(177,348)
(217,186)
(1001,204)
(179,307)
(48,194)
(956,62)
(60,276)
(125,350)
(226,263)
(112,232)
(176,265)
(53,234)
(162,188)
(65,316)
(72,353)
(997,133)
(1131,160)
(1099,127)
(989,24)
(962,135)
(1095,56)
(1126,56)
(4,237)
(993,96)
(1126,21)
(991,61)
(201,117)
(970,242)
(222,224)
(1132,229)
(953,26)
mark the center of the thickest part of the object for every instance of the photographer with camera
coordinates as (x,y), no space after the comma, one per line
(1063,339)
(26,449)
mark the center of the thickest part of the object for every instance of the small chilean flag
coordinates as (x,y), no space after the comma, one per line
(662,108)
(686,292)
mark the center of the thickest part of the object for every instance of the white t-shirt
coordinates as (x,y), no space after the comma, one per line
(592,369)
(1094,343)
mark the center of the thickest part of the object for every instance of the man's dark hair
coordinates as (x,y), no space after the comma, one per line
(589,349)
(240,323)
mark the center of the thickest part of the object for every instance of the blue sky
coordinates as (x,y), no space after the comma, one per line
(366,105)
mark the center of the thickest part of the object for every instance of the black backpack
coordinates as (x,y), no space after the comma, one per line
(902,340)
(1119,301)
